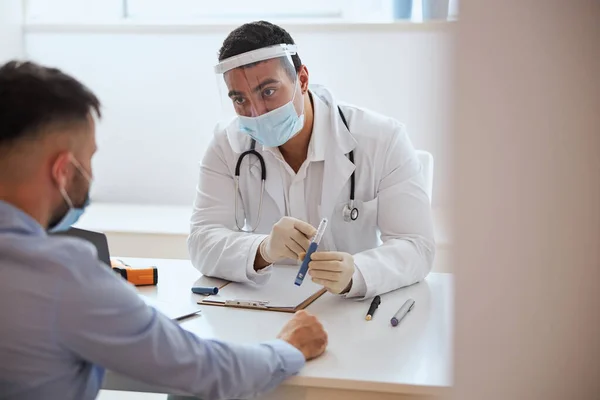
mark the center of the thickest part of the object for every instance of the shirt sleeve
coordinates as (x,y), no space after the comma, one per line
(408,250)
(101,319)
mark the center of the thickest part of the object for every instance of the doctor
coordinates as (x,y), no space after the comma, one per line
(292,155)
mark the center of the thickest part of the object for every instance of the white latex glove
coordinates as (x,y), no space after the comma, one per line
(333,270)
(289,238)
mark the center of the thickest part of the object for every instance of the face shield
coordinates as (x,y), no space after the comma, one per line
(260,89)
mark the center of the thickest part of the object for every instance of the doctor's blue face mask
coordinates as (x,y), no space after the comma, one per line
(275,127)
(261,88)
(74,212)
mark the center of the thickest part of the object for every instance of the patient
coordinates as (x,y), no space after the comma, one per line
(65,316)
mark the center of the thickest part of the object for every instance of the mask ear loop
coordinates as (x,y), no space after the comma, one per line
(63,191)
(66,197)
(296,87)
(83,172)
(80,168)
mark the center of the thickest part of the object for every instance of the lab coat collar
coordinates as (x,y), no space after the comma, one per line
(238,141)
(320,131)
(15,221)
(339,137)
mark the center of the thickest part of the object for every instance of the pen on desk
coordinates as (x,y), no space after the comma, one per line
(311,249)
(205,290)
(401,313)
(374,304)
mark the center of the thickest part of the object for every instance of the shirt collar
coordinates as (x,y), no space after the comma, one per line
(14,220)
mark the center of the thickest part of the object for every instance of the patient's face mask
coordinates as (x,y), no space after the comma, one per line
(70,212)
(261,88)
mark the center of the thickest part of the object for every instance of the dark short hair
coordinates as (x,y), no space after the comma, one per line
(254,36)
(34,97)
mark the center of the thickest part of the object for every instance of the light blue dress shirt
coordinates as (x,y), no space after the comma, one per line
(65,317)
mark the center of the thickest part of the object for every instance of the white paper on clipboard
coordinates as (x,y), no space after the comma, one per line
(278,292)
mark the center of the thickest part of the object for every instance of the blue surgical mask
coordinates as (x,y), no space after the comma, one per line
(274,128)
(70,218)
(74,213)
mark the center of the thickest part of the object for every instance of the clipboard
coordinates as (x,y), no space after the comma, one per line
(278,294)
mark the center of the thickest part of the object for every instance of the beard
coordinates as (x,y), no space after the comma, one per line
(79,196)
(58,215)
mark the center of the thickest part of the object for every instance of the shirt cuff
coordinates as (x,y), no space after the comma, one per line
(292,358)
(262,275)
(359,286)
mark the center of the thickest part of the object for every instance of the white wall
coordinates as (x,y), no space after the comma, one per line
(159,93)
(11,32)
(527,200)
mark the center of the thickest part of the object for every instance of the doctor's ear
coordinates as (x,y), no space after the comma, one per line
(303,78)
(60,168)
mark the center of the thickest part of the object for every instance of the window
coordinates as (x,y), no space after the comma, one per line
(207,11)
(232,9)
(227,11)
(73,11)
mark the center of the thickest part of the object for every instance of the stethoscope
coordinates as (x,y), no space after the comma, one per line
(350,212)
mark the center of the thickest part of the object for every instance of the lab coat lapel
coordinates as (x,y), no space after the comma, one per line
(338,168)
(273,186)
(337,172)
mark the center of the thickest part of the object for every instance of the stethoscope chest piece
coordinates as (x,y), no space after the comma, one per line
(350,212)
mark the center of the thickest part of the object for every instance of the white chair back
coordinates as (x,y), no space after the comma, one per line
(427,161)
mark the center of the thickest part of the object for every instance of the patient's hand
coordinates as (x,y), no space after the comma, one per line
(305,332)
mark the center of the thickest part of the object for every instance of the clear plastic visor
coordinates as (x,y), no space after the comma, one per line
(257,82)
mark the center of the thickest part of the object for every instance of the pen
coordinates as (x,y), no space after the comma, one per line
(311,249)
(374,304)
(401,313)
(205,290)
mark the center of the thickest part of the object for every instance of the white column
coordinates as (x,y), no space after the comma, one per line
(11,30)
(527,200)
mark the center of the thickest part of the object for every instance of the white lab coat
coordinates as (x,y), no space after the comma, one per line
(392,240)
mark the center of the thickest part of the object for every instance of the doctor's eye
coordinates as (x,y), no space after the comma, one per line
(268,92)
(238,100)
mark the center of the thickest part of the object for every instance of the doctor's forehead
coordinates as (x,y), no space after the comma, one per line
(250,75)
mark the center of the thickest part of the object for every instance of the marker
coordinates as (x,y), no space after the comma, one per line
(374,304)
(401,313)
(311,249)
(205,290)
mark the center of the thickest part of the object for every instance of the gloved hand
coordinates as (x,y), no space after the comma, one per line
(333,270)
(289,238)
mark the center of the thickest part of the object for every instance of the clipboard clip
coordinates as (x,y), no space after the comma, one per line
(247,303)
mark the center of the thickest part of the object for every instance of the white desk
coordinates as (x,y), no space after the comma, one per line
(364,360)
